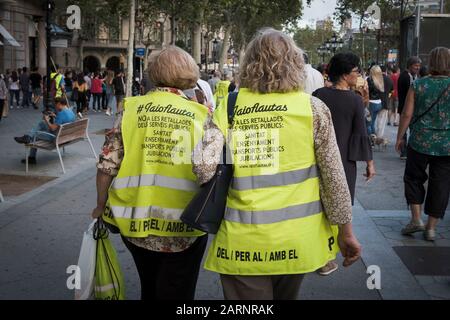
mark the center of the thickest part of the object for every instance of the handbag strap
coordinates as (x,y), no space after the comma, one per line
(232,97)
(432,105)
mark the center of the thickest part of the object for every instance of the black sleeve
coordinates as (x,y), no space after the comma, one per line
(403,87)
(359,146)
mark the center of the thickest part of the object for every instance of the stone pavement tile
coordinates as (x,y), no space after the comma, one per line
(445,234)
(416,242)
(387,222)
(425,280)
(348,283)
(38,250)
(442,242)
(397,282)
(438,290)
(384,229)
(395,243)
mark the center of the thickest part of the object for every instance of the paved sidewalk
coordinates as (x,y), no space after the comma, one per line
(41,231)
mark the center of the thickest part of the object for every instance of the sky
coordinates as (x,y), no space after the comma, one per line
(319,10)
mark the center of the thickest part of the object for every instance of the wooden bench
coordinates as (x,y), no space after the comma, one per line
(68,133)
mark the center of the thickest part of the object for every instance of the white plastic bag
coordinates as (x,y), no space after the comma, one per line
(381,121)
(86,263)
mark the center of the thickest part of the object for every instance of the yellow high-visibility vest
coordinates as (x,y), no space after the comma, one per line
(274,222)
(57,77)
(221,90)
(155,180)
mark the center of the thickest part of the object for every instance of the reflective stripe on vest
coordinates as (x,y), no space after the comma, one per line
(146,212)
(154,180)
(273,223)
(272,216)
(279,179)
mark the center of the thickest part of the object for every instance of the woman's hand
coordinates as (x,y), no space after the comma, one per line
(97,212)
(370,171)
(399,145)
(349,245)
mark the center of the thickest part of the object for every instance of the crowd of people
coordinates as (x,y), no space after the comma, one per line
(283,218)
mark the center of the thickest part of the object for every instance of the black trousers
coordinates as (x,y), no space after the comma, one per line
(436,200)
(2,105)
(168,276)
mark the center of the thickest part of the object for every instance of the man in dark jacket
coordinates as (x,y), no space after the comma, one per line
(24,81)
(405,81)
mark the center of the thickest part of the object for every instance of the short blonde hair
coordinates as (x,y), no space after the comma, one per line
(272,63)
(440,61)
(173,67)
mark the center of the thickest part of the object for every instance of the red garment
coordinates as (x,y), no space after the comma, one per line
(96,86)
(394,78)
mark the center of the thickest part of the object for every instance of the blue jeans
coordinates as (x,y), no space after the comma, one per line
(40,126)
(374,108)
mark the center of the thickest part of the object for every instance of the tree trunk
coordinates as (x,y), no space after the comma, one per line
(241,53)
(131,48)
(172,30)
(196,43)
(225,47)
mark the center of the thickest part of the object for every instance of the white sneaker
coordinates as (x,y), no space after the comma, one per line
(108,112)
(80,115)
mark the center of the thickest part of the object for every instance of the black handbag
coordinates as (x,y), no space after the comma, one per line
(205,211)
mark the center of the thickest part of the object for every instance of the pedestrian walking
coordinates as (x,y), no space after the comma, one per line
(314,79)
(405,81)
(109,90)
(79,94)
(14,89)
(119,90)
(3,95)
(24,81)
(36,87)
(96,90)
(393,100)
(376,92)
(274,229)
(427,113)
(166,252)
(348,114)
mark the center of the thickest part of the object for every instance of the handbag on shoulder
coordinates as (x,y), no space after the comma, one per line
(205,211)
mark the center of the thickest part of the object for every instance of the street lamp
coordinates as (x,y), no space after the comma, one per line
(334,43)
(49,7)
(323,49)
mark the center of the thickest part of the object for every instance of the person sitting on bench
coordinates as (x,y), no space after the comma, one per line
(47,128)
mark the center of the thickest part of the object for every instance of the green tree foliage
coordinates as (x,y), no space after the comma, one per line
(310,39)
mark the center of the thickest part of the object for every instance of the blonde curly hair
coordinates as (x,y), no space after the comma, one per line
(272,63)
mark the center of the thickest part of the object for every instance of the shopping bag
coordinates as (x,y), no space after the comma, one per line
(5,109)
(109,282)
(86,263)
(381,121)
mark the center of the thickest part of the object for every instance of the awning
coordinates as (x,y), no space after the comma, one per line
(8,37)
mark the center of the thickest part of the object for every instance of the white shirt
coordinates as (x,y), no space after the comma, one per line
(314,79)
(207,91)
(87,79)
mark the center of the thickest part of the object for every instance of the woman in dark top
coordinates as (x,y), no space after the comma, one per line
(348,114)
(347,111)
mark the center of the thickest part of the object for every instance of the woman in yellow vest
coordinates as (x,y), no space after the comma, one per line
(145,178)
(288,210)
